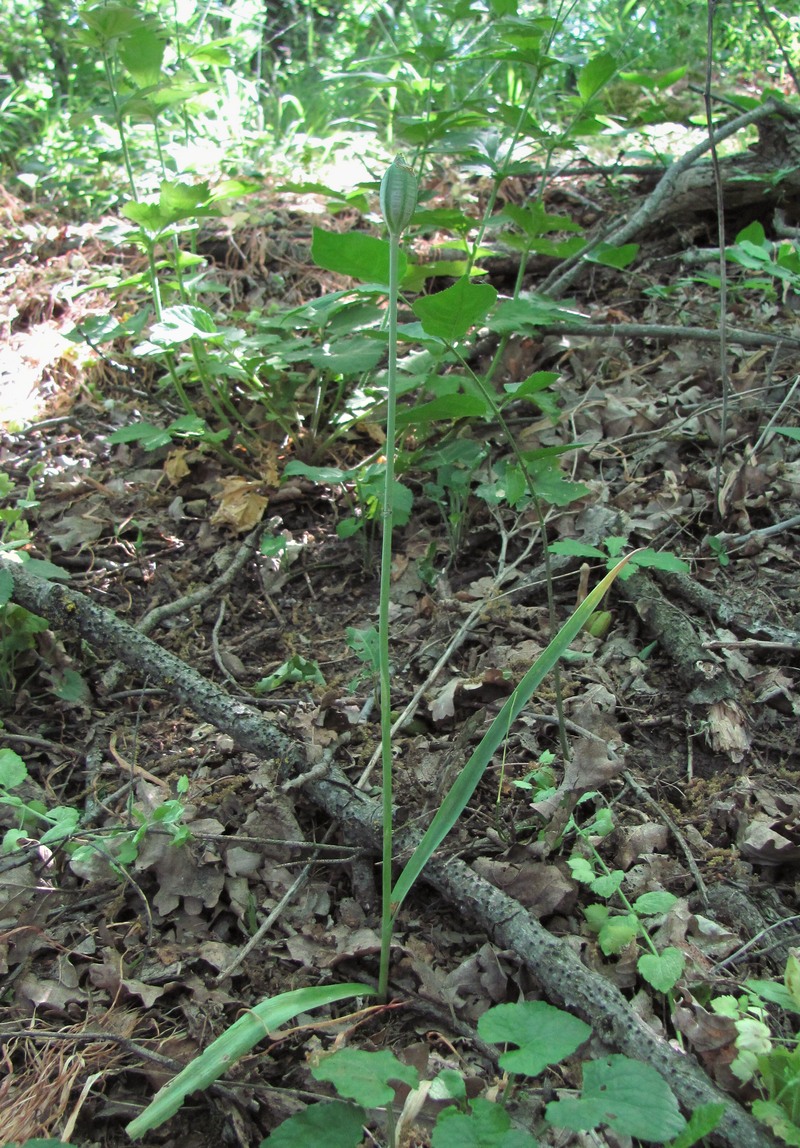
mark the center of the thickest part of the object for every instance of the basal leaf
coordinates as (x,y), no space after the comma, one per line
(365,1076)
(545,1034)
(627,1095)
(334,1125)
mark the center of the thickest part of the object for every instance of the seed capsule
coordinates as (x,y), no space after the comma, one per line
(398,196)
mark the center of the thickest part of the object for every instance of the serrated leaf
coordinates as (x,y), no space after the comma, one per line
(662,971)
(142,54)
(545,1034)
(575,549)
(364,1076)
(582,870)
(627,1095)
(608,884)
(617,933)
(594,75)
(334,1125)
(149,436)
(451,313)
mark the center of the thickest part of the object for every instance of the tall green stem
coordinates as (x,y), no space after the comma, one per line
(398,202)
(384,667)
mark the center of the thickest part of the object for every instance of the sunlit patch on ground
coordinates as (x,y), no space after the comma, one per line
(33,365)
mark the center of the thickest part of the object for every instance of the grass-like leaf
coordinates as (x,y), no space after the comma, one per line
(247,1031)
(462,789)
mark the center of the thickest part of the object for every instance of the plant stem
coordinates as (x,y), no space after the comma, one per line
(384,667)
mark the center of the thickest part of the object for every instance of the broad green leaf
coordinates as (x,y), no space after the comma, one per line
(596,916)
(13,769)
(110,21)
(582,870)
(662,970)
(702,1122)
(451,313)
(534,383)
(334,1125)
(183,322)
(610,256)
(71,686)
(513,316)
(6,585)
(456,406)
(775,993)
(662,560)
(149,436)
(790,432)
(594,75)
(574,549)
(364,1076)
(658,902)
(486,1125)
(551,485)
(227,1049)
(348,356)
(358,256)
(626,1095)
(142,54)
(329,475)
(754,233)
(462,789)
(448,1085)
(545,1035)
(65,820)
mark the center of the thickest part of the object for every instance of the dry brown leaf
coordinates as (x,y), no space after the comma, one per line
(240,505)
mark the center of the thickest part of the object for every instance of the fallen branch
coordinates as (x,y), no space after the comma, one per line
(669,332)
(555,965)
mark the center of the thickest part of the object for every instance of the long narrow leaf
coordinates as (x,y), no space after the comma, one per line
(247,1031)
(466,783)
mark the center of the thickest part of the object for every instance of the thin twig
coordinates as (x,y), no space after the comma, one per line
(644,796)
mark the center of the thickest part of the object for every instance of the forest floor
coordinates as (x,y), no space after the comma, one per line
(683,716)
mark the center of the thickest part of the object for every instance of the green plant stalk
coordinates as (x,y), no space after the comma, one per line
(384,666)
(398,203)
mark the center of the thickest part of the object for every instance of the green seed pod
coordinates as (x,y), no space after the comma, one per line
(398,196)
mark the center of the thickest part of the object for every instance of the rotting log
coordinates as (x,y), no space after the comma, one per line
(562,976)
